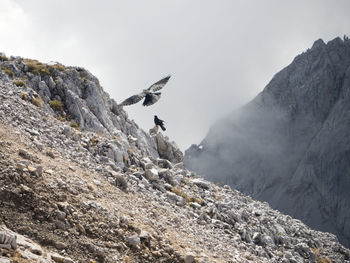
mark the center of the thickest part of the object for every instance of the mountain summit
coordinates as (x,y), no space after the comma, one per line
(290,146)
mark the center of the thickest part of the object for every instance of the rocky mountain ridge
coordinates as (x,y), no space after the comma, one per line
(75,95)
(290,145)
(74,189)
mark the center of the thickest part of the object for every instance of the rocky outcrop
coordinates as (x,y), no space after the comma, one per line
(290,145)
(74,95)
(167,150)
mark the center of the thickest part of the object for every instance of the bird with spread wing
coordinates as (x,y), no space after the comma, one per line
(150,94)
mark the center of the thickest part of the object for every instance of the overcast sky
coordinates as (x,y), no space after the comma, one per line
(220,53)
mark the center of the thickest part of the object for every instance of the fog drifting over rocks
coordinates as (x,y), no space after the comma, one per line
(290,145)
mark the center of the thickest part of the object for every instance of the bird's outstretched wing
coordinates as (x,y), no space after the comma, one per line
(150,95)
(151,98)
(133,99)
(159,84)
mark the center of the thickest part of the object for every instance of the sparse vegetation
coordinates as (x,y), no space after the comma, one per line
(38,68)
(57,66)
(7,71)
(60,117)
(197,200)
(249,257)
(323,260)
(125,159)
(24,96)
(75,125)
(127,259)
(319,259)
(19,83)
(179,192)
(3,58)
(17,257)
(56,105)
(314,250)
(37,101)
(176,190)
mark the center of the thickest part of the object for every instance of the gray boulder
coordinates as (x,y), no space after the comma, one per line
(168,150)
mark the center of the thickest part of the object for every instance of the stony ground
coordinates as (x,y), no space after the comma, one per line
(59,188)
(81,212)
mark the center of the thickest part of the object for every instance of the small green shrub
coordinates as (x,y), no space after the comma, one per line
(44,71)
(36,67)
(57,66)
(7,71)
(61,118)
(75,125)
(19,83)
(56,105)
(3,58)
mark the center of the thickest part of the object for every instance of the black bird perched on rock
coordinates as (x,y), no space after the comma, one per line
(150,94)
(159,122)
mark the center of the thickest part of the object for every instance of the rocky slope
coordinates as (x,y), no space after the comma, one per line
(290,146)
(73,94)
(66,196)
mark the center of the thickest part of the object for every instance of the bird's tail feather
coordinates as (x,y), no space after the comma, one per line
(163,128)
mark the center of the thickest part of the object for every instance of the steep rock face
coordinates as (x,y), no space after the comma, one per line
(290,146)
(74,95)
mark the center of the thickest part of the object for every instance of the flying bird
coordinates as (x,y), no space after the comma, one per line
(150,94)
(159,122)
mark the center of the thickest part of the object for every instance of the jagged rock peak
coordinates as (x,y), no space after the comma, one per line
(76,97)
(290,145)
(318,44)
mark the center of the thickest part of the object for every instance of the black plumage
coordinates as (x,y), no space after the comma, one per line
(150,94)
(159,122)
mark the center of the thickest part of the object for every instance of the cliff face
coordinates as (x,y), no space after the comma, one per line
(290,145)
(75,96)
